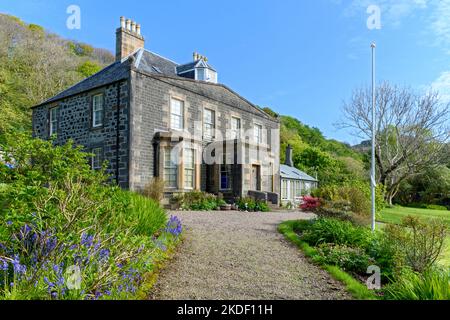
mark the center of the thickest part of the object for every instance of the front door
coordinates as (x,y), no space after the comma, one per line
(256,178)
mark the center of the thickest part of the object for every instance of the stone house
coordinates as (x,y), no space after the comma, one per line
(149,116)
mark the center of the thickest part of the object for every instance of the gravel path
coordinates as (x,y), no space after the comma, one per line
(239,255)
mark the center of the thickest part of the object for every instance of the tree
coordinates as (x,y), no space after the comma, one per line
(412,131)
(88,68)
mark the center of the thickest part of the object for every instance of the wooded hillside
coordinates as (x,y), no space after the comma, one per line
(35,65)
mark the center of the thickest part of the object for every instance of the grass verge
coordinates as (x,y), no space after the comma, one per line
(357,289)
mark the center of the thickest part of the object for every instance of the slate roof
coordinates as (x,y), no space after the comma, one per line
(164,69)
(153,63)
(288,172)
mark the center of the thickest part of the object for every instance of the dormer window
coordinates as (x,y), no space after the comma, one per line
(199,70)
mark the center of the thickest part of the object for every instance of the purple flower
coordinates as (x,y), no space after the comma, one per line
(104,254)
(9,222)
(18,268)
(3,264)
(86,240)
(174,226)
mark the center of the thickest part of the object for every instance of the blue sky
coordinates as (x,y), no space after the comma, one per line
(301,58)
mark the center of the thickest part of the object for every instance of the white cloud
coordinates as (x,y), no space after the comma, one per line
(442,85)
(440,24)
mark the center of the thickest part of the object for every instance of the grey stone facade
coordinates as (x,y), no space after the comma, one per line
(150,115)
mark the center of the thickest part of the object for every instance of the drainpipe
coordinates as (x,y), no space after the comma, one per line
(117,132)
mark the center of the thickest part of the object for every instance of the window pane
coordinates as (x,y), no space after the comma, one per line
(170,169)
(97,110)
(200,74)
(235,128)
(208,123)
(225,173)
(258,133)
(98,102)
(53,121)
(189,168)
(176,114)
(97,158)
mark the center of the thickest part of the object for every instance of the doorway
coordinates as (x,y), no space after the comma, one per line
(256,178)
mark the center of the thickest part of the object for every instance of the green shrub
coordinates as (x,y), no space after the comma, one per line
(198,201)
(427,206)
(436,207)
(419,242)
(250,204)
(433,284)
(56,212)
(327,230)
(349,201)
(348,258)
(147,215)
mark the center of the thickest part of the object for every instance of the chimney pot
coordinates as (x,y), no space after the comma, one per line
(128,38)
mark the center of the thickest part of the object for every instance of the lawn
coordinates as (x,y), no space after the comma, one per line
(397,213)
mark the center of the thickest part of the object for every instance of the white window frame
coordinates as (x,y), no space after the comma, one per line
(199,71)
(180,116)
(53,121)
(236,132)
(258,137)
(170,168)
(285,191)
(97,120)
(189,169)
(212,130)
(297,189)
(96,158)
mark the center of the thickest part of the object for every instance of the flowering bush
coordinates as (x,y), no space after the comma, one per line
(310,203)
(66,234)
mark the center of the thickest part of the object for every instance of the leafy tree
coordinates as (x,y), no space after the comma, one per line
(88,68)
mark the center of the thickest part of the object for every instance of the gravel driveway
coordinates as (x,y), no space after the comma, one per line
(239,255)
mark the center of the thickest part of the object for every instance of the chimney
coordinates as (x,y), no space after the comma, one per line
(128,38)
(288,160)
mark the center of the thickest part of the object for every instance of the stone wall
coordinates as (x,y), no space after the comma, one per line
(74,122)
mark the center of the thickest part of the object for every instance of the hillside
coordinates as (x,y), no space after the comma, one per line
(35,65)
(332,161)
